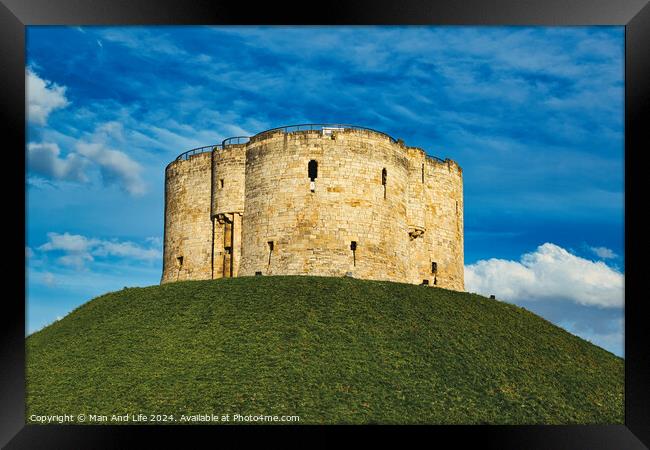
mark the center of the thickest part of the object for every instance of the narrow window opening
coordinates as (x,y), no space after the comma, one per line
(270,243)
(423,173)
(353,247)
(179,260)
(384,174)
(435,280)
(434,267)
(221,183)
(312,170)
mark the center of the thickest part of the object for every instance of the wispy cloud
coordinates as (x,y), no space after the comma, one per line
(143,40)
(78,249)
(603,252)
(115,166)
(92,151)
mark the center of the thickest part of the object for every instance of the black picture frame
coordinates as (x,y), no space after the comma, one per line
(633,14)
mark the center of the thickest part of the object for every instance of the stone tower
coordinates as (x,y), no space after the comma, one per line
(324,200)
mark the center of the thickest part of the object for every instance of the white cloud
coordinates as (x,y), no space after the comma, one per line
(43,158)
(548,273)
(126,250)
(67,242)
(115,166)
(95,149)
(143,41)
(78,249)
(77,260)
(43,97)
(603,252)
(28,252)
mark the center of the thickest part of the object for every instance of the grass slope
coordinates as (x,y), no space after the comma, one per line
(331,350)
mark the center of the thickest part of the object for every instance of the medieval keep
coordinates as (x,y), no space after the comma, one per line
(328,200)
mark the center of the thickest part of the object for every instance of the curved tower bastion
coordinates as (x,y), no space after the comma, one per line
(329,200)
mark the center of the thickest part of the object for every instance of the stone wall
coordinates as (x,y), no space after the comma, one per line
(312,232)
(263,214)
(228,165)
(188,227)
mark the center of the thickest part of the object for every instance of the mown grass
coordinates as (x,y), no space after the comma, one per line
(330,350)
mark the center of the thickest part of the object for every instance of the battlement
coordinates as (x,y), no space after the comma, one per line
(317,199)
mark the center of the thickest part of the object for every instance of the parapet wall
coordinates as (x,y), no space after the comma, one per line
(376,209)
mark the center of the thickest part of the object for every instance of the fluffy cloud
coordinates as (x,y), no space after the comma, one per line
(548,273)
(43,158)
(43,97)
(78,249)
(67,242)
(95,149)
(603,252)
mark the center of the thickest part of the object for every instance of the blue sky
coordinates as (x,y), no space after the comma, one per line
(534,115)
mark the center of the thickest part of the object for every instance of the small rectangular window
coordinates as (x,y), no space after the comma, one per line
(258,274)
(434,267)
(221,183)
(180,260)
(312,170)
(270,245)
(425,282)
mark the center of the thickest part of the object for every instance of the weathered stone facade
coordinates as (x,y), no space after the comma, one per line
(376,209)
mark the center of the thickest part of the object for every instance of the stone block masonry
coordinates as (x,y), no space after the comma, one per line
(325,201)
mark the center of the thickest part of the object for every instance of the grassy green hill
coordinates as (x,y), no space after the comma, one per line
(330,350)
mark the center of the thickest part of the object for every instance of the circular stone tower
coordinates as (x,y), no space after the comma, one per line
(328,200)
